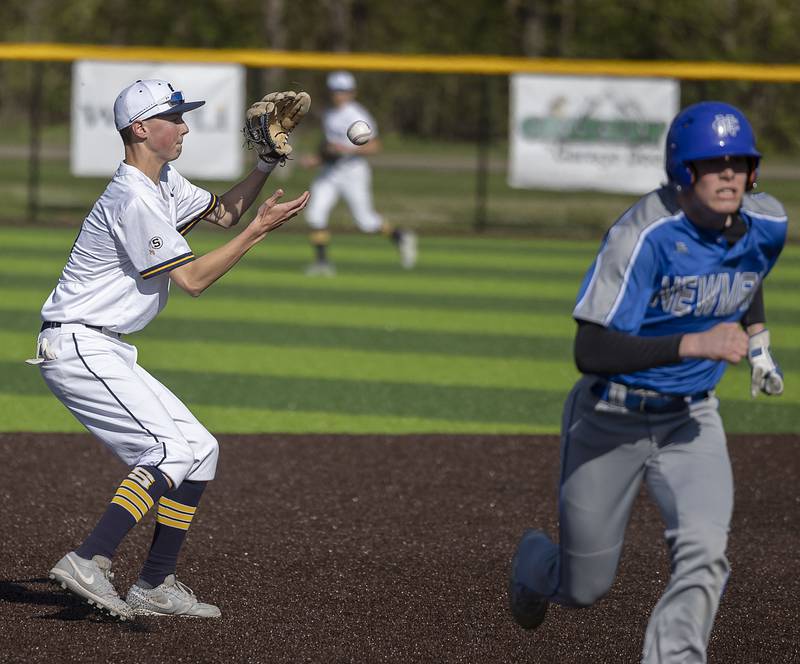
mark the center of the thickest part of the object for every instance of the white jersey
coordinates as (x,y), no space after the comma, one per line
(117,274)
(336,120)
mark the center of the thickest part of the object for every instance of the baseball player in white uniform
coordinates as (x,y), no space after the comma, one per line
(116,280)
(346,172)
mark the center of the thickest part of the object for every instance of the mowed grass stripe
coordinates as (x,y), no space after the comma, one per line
(21,308)
(377,264)
(467,332)
(256,358)
(257,281)
(343,337)
(477,250)
(321,362)
(262,269)
(522,409)
(454,403)
(45,414)
(415,351)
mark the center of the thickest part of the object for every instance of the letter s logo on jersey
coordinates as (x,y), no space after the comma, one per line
(155,244)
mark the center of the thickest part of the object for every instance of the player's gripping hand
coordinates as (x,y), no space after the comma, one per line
(765,374)
(724,341)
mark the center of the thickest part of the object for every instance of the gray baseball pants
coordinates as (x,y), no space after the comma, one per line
(607,452)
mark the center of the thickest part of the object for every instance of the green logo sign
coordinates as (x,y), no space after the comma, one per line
(590,130)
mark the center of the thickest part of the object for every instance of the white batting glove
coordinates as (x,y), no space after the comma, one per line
(765,376)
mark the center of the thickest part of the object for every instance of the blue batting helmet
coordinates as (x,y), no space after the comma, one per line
(709,130)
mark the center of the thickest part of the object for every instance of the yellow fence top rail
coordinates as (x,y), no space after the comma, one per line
(439,64)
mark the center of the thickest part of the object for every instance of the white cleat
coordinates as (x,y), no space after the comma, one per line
(171,598)
(408,249)
(91,580)
(321,269)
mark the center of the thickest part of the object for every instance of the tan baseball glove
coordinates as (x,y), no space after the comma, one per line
(270,121)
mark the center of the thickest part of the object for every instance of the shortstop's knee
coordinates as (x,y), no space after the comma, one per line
(206,455)
(178,461)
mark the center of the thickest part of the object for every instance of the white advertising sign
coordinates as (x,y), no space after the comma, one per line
(213,147)
(589,132)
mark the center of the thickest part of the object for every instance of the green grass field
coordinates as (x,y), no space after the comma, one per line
(477,339)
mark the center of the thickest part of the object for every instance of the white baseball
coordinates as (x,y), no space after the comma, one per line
(359,132)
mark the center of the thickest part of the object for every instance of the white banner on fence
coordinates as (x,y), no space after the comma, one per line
(589,132)
(213,148)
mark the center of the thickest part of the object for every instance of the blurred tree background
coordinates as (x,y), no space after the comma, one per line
(761,31)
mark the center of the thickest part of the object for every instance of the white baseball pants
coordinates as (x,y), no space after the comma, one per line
(95,375)
(351,178)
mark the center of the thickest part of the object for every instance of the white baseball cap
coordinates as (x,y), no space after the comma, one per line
(146,99)
(341,81)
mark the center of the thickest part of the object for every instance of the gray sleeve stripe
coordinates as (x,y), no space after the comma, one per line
(605,292)
(597,270)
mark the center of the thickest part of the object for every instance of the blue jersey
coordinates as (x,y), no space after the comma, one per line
(658,274)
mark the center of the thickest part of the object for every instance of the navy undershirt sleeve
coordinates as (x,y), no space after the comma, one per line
(756,312)
(599,350)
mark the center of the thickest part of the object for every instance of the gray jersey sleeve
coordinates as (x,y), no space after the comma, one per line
(617,289)
(763,205)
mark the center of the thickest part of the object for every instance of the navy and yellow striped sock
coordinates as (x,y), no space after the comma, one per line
(137,493)
(176,509)
(320,241)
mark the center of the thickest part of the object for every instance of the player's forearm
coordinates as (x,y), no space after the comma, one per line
(755,313)
(237,200)
(198,275)
(599,350)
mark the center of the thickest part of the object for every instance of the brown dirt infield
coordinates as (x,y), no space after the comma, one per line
(329,549)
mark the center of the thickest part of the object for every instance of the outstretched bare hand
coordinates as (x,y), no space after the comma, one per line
(272,215)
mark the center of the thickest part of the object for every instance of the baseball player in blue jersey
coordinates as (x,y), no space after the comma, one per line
(673,296)
(130,248)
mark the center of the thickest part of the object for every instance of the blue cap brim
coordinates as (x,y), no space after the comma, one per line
(185,107)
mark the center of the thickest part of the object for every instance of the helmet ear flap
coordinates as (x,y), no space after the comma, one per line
(686,175)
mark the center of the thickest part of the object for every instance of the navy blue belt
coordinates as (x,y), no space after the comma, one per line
(50,324)
(644,401)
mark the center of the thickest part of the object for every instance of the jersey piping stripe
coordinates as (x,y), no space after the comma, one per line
(765,217)
(191,224)
(166,266)
(122,405)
